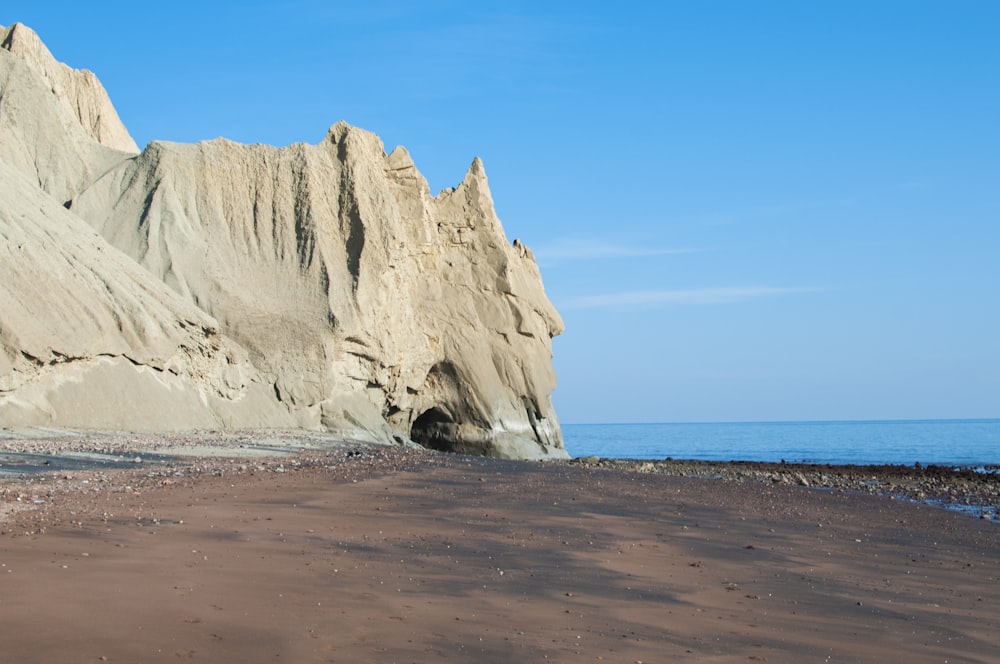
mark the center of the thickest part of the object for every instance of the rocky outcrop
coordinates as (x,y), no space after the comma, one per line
(367,301)
(318,286)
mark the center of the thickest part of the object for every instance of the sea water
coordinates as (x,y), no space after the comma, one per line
(967,443)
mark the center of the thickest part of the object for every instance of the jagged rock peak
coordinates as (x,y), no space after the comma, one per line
(400,159)
(476,169)
(78,90)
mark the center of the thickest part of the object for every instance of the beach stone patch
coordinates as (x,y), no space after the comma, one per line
(973,491)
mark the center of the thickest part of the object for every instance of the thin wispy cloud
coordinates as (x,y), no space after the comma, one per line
(696,296)
(579,250)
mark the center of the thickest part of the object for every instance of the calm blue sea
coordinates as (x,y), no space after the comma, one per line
(973,443)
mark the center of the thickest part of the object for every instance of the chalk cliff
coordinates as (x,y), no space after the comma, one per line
(319,286)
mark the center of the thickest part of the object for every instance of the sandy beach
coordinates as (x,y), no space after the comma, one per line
(392,555)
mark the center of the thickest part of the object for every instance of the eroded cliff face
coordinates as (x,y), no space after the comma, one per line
(367,301)
(89,339)
(340,292)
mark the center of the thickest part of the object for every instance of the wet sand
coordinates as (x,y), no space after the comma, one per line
(404,556)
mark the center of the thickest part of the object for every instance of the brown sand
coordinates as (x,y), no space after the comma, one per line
(425,558)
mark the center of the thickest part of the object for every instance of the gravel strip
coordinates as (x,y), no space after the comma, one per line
(976,492)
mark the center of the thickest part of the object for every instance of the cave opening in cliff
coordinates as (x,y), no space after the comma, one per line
(432,429)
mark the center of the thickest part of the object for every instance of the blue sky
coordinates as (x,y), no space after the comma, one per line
(743,210)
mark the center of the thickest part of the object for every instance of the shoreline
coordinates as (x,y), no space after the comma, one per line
(33,455)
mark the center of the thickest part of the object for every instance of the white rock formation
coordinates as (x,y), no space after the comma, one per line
(318,286)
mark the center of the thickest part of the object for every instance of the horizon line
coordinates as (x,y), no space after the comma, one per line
(825,421)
